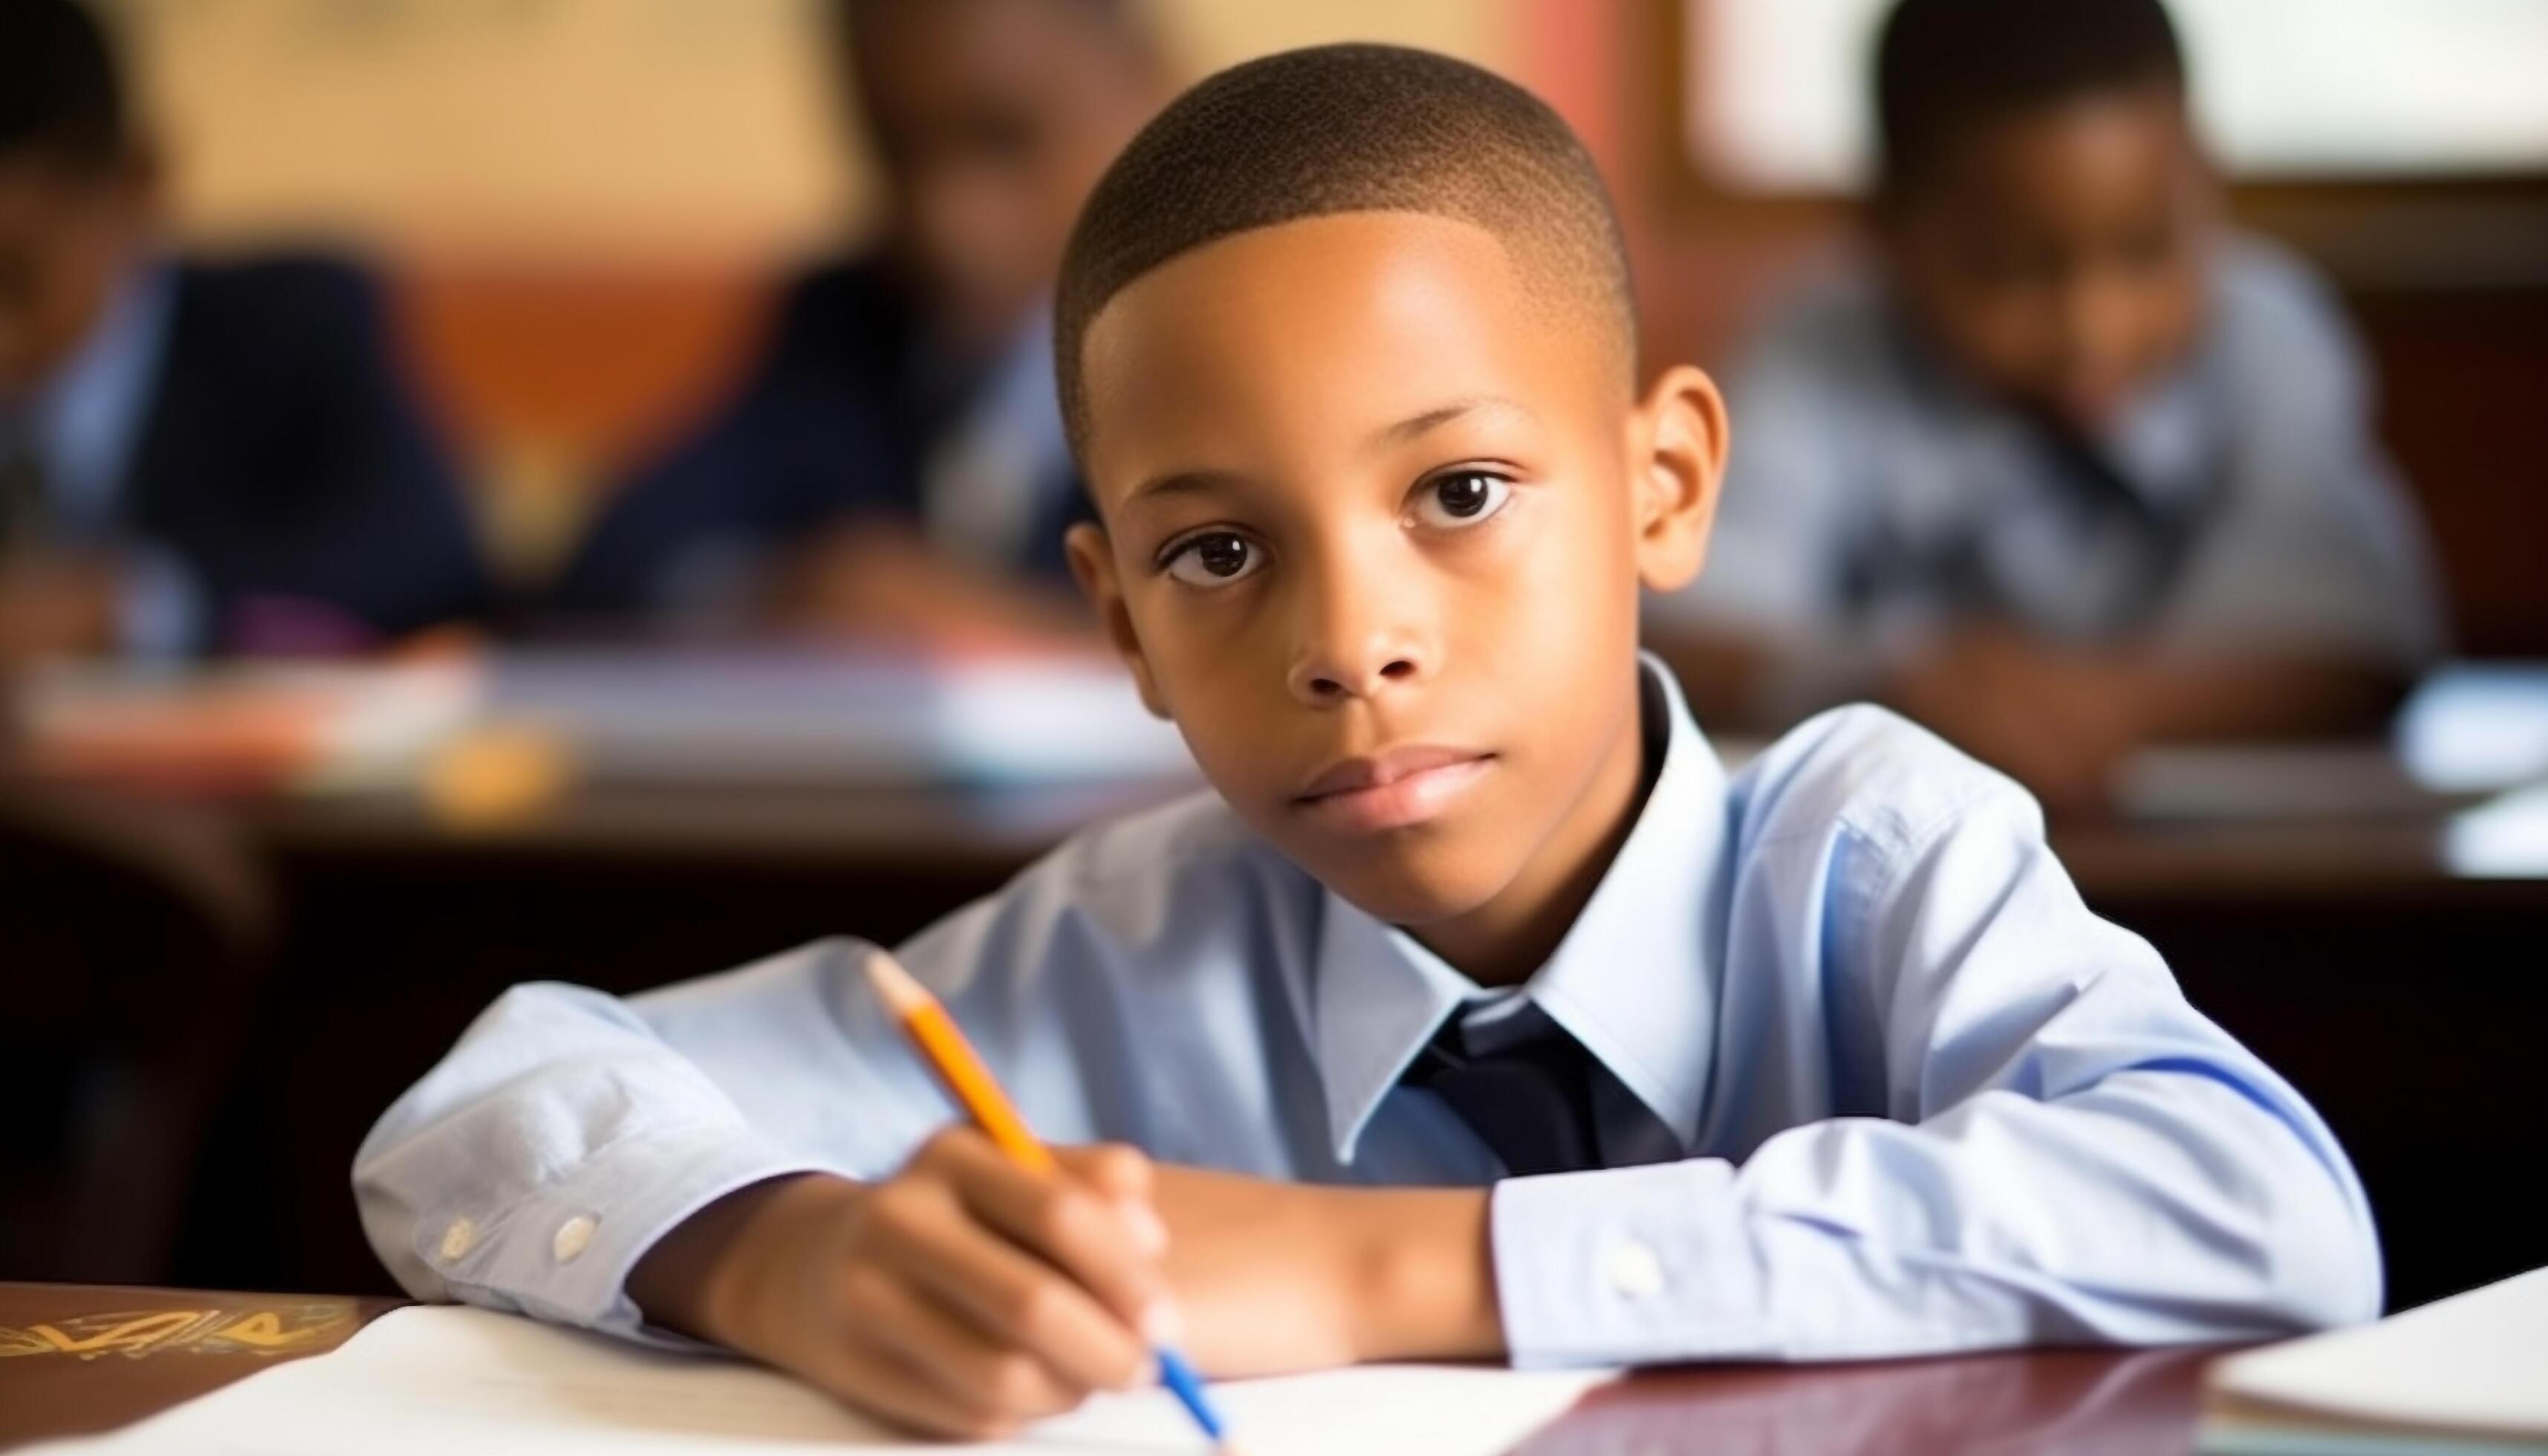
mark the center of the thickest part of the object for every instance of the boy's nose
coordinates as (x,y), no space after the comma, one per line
(1356,660)
(1325,684)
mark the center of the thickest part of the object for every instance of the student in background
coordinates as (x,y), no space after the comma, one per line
(192,457)
(904,414)
(1480,1012)
(2062,465)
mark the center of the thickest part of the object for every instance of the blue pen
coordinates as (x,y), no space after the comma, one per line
(945,1051)
(1182,1382)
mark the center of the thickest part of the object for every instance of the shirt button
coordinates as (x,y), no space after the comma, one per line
(573,1238)
(458,1239)
(1635,1269)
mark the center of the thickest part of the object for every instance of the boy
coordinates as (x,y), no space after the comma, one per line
(1825,1059)
(191,457)
(2062,467)
(904,415)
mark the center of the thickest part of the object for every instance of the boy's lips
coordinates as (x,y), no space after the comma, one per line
(1393,790)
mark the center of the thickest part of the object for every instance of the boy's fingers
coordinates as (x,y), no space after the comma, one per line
(1112,1168)
(882,1386)
(966,1367)
(1013,1296)
(1122,1174)
(1077,1229)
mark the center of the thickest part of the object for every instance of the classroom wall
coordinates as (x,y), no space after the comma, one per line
(646,133)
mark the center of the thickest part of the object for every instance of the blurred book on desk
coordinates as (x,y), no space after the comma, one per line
(244,728)
(2468,733)
(782,716)
(2461,1375)
(757,716)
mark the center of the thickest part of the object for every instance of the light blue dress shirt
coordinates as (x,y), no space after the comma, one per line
(84,421)
(1876,497)
(87,417)
(1925,1099)
(988,483)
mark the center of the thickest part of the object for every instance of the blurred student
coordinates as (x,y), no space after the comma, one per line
(903,421)
(192,458)
(2062,465)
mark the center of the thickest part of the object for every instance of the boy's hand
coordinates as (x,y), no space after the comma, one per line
(961,1297)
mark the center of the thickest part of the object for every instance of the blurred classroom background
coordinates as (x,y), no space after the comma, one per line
(247,896)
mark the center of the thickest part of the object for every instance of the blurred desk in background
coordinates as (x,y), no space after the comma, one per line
(969,836)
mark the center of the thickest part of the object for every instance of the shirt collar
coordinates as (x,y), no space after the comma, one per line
(1633,980)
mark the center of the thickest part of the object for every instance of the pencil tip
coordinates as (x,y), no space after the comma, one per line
(893,984)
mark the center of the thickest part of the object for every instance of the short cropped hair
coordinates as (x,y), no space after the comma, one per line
(1342,129)
(59,95)
(1943,64)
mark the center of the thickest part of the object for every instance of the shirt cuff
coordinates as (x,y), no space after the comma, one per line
(1627,1266)
(564,1252)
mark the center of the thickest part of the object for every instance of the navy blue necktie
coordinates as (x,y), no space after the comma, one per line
(1531,1103)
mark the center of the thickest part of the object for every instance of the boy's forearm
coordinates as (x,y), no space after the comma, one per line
(692,1281)
(1424,1274)
(1278,1276)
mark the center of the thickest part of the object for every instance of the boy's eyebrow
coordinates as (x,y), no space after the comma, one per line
(1177,482)
(1414,425)
(1189,482)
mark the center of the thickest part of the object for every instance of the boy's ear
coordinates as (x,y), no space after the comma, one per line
(1678,439)
(1092,561)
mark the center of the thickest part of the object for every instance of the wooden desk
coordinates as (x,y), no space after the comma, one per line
(76,1359)
(139,1351)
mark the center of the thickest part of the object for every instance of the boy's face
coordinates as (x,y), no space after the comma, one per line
(68,232)
(1375,514)
(2058,253)
(991,121)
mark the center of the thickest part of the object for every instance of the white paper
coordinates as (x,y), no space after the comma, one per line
(445,1380)
(2477,1361)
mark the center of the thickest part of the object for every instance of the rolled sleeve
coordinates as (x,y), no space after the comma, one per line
(555,1145)
(565,1251)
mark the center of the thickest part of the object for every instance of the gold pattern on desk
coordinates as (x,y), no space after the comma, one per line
(273,1330)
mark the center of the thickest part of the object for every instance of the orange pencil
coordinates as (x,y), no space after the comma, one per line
(960,1069)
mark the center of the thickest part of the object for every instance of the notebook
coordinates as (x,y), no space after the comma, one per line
(2463,1375)
(443,1379)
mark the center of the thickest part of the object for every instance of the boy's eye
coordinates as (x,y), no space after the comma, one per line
(1215,559)
(1461,499)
